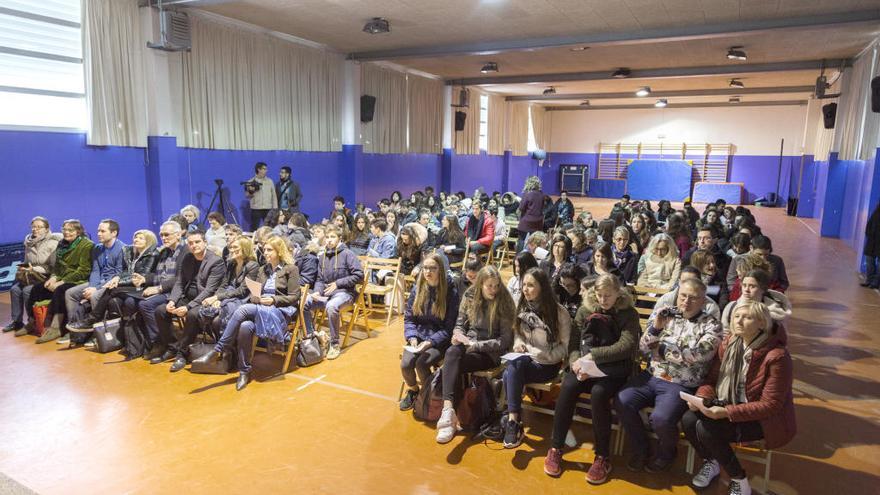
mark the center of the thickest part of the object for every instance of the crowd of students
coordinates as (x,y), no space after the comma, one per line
(566,312)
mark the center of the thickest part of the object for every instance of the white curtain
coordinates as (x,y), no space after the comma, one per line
(539,126)
(467,142)
(246,90)
(387,132)
(518,127)
(857,125)
(425,110)
(496,124)
(114,60)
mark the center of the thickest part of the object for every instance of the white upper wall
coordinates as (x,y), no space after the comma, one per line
(752,130)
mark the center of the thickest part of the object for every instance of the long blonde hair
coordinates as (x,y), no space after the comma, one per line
(501,305)
(280,247)
(438,309)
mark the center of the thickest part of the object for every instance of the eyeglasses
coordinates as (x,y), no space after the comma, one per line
(621,239)
(689,298)
(165,234)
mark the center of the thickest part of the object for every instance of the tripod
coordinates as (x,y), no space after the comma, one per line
(224,207)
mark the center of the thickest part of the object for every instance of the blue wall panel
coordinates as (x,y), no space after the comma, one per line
(408,173)
(659,179)
(607,188)
(521,167)
(835,189)
(472,171)
(759,174)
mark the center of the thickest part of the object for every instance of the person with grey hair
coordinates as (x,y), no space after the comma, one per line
(191,214)
(159,284)
(39,258)
(681,343)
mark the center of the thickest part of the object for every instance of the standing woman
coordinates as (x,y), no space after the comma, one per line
(606,333)
(73,264)
(431,311)
(482,334)
(531,213)
(39,257)
(541,332)
(747,396)
(872,250)
(359,237)
(560,254)
(523,262)
(267,316)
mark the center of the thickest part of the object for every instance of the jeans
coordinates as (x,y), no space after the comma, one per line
(240,329)
(74,295)
(334,305)
(458,361)
(147,309)
(478,248)
(421,364)
(872,271)
(602,391)
(712,438)
(646,390)
(17,297)
(521,371)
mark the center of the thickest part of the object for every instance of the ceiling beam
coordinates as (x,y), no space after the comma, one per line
(680,105)
(667,94)
(715,70)
(691,32)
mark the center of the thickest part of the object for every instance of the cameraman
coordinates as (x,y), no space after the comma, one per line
(260,190)
(681,343)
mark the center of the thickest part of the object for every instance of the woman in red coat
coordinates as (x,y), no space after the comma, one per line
(747,396)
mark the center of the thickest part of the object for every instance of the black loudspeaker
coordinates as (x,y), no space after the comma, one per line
(368,106)
(829,113)
(875,94)
(460,118)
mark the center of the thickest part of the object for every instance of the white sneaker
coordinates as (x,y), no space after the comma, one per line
(740,487)
(64,340)
(333,352)
(708,472)
(570,440)
(447,425)
(90,344)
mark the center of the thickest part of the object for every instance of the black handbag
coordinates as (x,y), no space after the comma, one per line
(107,335)
(309,352)
(199,349)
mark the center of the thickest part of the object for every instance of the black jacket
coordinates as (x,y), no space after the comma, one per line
(233,285)
(307,264)
(197,280)
(872,234)
(145,264)
(287,291)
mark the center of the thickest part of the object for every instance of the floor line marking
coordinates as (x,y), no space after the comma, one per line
(807,226)
(314,380)
(341,387)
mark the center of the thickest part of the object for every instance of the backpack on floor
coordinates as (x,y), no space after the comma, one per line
(429,403)
(477,404)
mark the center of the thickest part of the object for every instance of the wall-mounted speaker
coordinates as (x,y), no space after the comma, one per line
(829,113)
(460,118)
(368,106)
(875,94)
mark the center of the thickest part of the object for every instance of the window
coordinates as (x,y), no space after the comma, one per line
(41,64)
(484,122)
(533,143)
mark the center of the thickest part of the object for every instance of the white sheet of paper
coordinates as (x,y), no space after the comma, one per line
(412,349)
(512,356)
(692,399)
(254,287)
(593,371)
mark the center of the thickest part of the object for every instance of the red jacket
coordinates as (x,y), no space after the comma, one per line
(768,390)
(487,235)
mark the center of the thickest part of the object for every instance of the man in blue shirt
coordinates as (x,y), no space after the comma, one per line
(107,263)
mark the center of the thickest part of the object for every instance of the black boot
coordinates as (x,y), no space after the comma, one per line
(243,379)
(209,358)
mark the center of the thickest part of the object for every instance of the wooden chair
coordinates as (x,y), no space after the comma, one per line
(372,266)
(648,297)
(297,332)
(459,266)
(506,252)
(752,451)
(357,309)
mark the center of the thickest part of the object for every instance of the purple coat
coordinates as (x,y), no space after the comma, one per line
(531,212)
(341,266)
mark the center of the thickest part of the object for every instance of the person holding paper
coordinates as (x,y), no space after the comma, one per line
(428,320)
(241,265)
(540,332)
(680,345)
(605,336)
(267,315)
(482,334)
(747,397)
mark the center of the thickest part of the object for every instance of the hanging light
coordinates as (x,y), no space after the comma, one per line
(643,91)
(661,103)
(550,91)
(621,73)
(734,99)
(489,67)
(736,53)
(736,83)
(585,103)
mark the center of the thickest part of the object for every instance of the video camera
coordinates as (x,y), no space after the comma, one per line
(251,186)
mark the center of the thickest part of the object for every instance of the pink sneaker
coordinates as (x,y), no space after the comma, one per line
(553,463)
(599,471)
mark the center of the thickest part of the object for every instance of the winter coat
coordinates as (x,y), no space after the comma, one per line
(39,252)
(233,285)
(383,247)
(682,351)
(427,326)
(872,234)
(340,266)
(660,273)
(777,303)
(768,389)
(495,341)
(564,211)
(143,264)
(197,280)
(625,319)
(75,265)
(169,264)
(299,236)
(487,233)
(536,339)
(307,264)
(531,212)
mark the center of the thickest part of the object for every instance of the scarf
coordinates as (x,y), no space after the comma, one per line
(620,257)
(65,247)
(531,319)
(31,241)
(731,372)
(475,227)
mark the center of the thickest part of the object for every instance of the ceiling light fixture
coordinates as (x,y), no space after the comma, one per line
(661,103)
(643,91)
(579,48)
(733,99)
(489,67)
(377,25)
(585,103)
(736,53)
(621,73)
(736,83)
(550,91)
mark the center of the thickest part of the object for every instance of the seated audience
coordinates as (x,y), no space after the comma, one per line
(451,240)
(664,210)
(409,250)
(605,334)
(216,233)
(661,263)
(306,260)
(266,316)
(39,259)
(566,286)
(678,229)
(191,214)
(540,332)
(479,229)
(564,209)
(521,264)
(160,283)
(428,321)
(241,265)
(622,255)
(756,287)
(762,246)
(359,237)
(747,396)
(501,229)
(383,244)
(716,281)
(586,221)
(680,349)
(641,229)
(537,245)
(298,229)
(560,254)
(707,240)
(603,262)
(340,208)
(581,251)
(482,334)
(670,299)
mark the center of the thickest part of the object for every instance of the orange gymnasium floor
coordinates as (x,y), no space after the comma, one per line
(76,422)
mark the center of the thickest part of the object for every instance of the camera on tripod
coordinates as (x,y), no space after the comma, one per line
(251,186)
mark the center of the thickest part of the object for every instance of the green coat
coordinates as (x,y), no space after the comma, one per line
(75,265)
